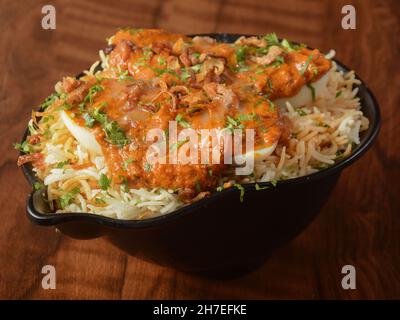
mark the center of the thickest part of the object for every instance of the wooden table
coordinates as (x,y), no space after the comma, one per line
(360,225)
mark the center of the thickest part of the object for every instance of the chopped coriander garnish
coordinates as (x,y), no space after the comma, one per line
(147,53)
(233,123)
(38,185)
(247,117)
(301,112)
(178,144)
(49,100)
(306,64)
(339,154)
(277,62)
(309,86)
(160,72)
(115,134)
(242,67)
(124,75)
(241,189)
(260,188)
(125,184)
(66,199)
(241,53)
(274,182)
(47,118)
(181,121)
(272,39)
(161,61)
(219,189)
(89,120)
(147,167)
(196,68)
(196,55)
(271,105)
(127,162)
(92,91)
(338,94)
(185,74)
(287,45)
(61,165)
(23,147)
(99,200)
(104,182)
(141,64)
(99,115)
(81,106)
(270,85)
(65,106)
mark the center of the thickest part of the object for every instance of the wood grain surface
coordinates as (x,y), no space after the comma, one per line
(360,224)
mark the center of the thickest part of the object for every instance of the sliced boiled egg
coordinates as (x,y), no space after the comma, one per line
(304,96)
(84,136)
(259,154)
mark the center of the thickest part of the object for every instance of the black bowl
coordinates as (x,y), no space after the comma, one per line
(218,235)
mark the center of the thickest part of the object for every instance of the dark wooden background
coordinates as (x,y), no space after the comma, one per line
(360,225)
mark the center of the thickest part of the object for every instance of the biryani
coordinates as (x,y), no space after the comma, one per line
(89,141)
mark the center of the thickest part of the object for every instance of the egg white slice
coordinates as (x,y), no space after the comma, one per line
(304,96)
(83,135)
(257,155)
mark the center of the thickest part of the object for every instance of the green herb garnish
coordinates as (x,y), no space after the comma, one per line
(260,188)
(104,182)
(181,121)
(161,61)
(49,100)
(89,120)
(196,68)
(99,200)
(241,53)
(23,147)
(66,199)
(38,185)
(272,39)
(92,92)
(179,144)
(309,86)
(241,189)
(306,64)
(185,74)
(301,112)
(124,75)
(114,134)
(127,162)
(147,167)
(61,165)
(287,45)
